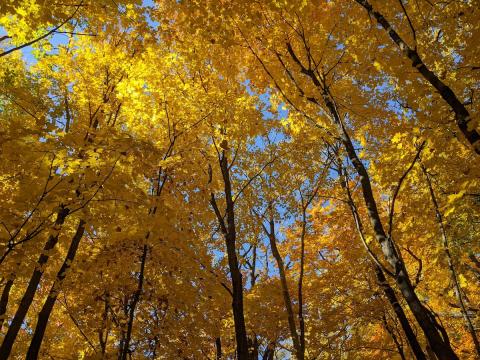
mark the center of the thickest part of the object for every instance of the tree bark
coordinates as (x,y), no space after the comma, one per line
(4,299)
(402,318)
(229,232)
(432,330)
(32,287)
(381,279)
(451,267)
(394,338)
(103,341)
(285,292)
(301,320)
(47,308)
(125,349)
(218,348)
(462,116)
(253,347)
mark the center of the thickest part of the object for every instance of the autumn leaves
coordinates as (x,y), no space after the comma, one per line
(279,179)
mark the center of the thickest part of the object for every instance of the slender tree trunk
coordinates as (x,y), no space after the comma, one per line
(218,348)
(4,299)
(394,338)
(433,331)
(451,267)
(125,350)
(269,352)
(102,341)
(285,292)
(253,340)
(32,287)
(424,317)
(301,320)
(402,318)
(253,275)
(47,308)
(462,116)
(253,347)
(230,235)
(381,280)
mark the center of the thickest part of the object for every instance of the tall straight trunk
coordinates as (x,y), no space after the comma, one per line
(230,234)
(301,320)
(101,339)
(253,340)
(451,267)
(125,350)
(32,287)
(434,332)
(381,279)
(462,116)
(4,299)
(253,275)
(218,348)
(47,308)
(285,292)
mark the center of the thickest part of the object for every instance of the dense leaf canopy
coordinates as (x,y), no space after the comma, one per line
(239,179)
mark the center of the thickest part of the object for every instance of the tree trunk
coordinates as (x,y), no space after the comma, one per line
(285,292)
(381,280)
(47,308)
(253,347)
(394,338)
(103,341)
(218,348)
(4,299)
(440,346)
(269,352)
(462,116)
(125,349)
(32,287)
(451,268)
(397,308)
(230,235)
(301,320)
(433,331)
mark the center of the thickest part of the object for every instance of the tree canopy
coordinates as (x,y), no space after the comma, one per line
(240,179)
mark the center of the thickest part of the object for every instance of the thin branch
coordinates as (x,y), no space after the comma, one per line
(64,304)
(218,214)
(414,34)
(98,188)
(74,33)
(399,185)
(253,178)
(44,35)
(420,267)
